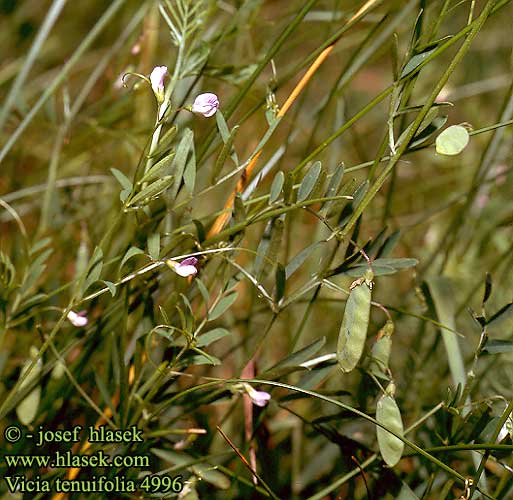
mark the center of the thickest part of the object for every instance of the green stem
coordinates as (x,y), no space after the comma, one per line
(322,397)
(493,439)
(72,61)
(374,189)
(266,215)
(324,144)
(470,447)
(290,28)
(37,45)
(52,178)
(15,393)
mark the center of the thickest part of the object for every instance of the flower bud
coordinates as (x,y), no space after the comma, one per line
(157,77)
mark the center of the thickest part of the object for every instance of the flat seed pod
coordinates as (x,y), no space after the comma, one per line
(452,140)
(27,409)
(388,415)
(353,331)
(380,351)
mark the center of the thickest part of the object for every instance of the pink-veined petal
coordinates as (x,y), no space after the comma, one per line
(205,104)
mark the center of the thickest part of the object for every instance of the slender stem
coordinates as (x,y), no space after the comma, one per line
(322,397)
(35,49)
(52,178)
(493,439)
(346,477)
(289,29)
(72,61)
(61,183)
(324,144)
(16,393)
(374,189)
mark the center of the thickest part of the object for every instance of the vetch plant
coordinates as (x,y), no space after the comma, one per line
(279,244)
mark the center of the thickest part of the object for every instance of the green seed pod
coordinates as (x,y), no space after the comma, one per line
(380,352)
(388,415)
(353,331)
(27,409)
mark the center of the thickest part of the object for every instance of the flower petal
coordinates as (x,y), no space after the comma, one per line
(189,261)
(157,77)
(261,398)
(186,271)
(77,319)
(205,104)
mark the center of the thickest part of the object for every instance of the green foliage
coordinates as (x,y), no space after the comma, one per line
(269,293)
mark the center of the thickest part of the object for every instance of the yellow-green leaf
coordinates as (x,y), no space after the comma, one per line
(452,140)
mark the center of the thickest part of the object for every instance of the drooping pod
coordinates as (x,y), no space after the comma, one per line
(380,351)
(389,415)
(353,331)
(28,407)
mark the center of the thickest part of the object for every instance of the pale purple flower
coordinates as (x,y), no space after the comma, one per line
(259,398)
(157,77)
(205,104)
(185,268)
(78,319)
